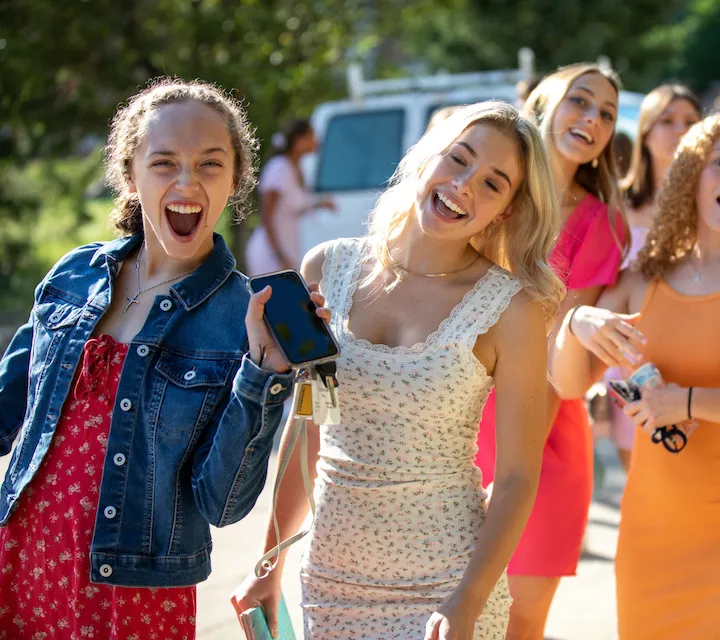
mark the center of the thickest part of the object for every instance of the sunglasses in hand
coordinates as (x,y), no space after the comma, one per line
(671,437)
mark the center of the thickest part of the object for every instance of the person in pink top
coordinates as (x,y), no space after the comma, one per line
(576,107)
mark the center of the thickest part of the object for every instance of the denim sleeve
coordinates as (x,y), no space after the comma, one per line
(230,466)
(14,370)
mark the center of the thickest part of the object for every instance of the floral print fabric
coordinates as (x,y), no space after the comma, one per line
(399,499)
(45,588)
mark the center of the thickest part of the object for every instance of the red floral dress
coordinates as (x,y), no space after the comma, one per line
(45,588)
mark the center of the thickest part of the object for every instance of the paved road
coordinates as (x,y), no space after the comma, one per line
(584,608)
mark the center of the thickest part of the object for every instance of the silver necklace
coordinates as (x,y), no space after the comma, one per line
(698,274)
(134,299)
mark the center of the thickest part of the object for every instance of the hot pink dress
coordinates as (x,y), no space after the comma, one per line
(586,255)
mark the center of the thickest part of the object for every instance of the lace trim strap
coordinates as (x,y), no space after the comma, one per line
(339,271)
(488,304)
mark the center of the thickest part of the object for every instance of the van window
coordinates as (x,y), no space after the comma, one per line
(360,150)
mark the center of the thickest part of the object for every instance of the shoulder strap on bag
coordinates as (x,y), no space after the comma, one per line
(298,427)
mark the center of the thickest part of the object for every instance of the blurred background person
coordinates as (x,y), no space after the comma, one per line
(666,114)
(576,108)
(623,147)
(667,562)
(274,245)
(524,88)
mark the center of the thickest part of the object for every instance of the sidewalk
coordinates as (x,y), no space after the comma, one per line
(584,608)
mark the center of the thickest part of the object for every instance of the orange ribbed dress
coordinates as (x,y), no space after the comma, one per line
(668,557)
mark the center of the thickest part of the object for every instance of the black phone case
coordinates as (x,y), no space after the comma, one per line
(304,364)
(623,391)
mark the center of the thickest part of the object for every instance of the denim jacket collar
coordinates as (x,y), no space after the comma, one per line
(192,290)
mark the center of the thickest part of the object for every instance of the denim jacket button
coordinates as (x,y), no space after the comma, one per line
(276,388)
(105,570)
(143,350)
(166,305)
(55,317)
(110,512)
(190,375)
(119,459)
(125,404)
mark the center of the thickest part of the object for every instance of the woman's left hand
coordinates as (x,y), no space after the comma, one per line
(659,407)
(453,620)
(263,348)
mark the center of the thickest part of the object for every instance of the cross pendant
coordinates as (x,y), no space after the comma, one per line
(131,301)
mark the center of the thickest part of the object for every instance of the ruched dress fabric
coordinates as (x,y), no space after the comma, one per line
(399,499)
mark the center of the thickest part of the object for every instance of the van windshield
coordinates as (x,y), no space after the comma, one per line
(360,150)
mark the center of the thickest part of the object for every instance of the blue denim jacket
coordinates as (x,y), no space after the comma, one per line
(193,422)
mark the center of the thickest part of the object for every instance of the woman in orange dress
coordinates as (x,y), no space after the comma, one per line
(668,558)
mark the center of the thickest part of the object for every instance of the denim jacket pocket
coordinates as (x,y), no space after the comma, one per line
(57,315)
(191,389)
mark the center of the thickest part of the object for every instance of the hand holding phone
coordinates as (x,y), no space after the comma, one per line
(292,318)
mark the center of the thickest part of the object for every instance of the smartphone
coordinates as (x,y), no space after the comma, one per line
(623,391)
(303,338)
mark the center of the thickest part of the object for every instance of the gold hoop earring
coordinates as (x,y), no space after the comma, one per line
(595,163)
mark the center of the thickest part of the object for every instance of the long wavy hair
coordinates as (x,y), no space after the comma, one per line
(601,181)
(639,183)
(674,230)
(521,244)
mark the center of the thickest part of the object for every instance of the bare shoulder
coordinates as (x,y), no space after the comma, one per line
(524,316)
(314,260)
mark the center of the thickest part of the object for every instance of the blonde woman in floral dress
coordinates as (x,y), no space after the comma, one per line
(448,295)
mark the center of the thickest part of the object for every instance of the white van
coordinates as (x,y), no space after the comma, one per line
(362,139)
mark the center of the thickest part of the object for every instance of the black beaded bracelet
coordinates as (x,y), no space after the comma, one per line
(690,390)
(572,315)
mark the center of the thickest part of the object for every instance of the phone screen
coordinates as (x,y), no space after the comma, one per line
(290,315)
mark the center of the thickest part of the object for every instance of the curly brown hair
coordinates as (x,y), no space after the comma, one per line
(130,123)
(674,230)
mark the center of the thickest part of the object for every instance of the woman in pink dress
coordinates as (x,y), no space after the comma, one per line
(576,108)
(275,243)
(666,114)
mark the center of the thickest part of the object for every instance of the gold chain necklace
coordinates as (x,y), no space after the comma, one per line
(395,263)
(134,299)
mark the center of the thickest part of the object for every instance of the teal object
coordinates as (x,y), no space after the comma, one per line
(256,628)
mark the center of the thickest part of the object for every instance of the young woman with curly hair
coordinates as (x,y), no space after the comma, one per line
(145,407)
(576,109)
(666,312)
(666,114)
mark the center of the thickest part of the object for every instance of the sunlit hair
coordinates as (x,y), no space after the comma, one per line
(130,125)
(639,183)
(674,230)
(602,181)
(521,244)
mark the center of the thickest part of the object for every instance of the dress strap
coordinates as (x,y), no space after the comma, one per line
(341,269)
(649,295)
(483,310)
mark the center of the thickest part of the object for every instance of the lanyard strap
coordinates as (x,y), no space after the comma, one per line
(298,427)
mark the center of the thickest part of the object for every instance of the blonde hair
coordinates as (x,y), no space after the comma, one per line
(602,181)
(521,244)
(674,230)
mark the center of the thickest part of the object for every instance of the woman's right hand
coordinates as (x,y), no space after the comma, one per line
(612,337)
(260,592)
